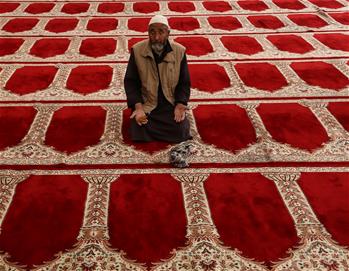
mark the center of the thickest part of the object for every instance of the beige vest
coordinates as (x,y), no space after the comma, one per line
(169,70)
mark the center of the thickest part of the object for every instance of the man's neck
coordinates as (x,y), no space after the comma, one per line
(159,53)
(159,56)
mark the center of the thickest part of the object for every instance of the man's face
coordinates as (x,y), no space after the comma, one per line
(158,35)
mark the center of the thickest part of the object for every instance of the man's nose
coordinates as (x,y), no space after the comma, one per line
(157,36)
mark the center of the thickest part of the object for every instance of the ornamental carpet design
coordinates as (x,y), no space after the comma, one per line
(268,183)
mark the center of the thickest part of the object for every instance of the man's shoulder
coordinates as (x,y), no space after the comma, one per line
(177,46)
(140,44)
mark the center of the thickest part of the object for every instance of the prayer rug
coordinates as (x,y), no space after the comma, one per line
(268,182)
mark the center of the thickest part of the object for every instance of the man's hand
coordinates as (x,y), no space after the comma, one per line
(139,115)
(179,112)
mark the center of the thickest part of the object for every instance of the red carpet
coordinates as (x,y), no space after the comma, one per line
(268,185)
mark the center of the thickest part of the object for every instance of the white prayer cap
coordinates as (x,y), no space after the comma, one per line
(159,19)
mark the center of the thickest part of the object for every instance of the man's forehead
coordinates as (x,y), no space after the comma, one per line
(158,26)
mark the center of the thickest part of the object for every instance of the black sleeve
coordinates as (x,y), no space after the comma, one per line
(182,91)
(132,83)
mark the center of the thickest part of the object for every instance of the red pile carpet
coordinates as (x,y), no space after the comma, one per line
(268,185)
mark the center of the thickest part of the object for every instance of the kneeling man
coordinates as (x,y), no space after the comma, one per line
(157,86)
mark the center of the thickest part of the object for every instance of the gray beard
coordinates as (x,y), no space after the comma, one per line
(158,47)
